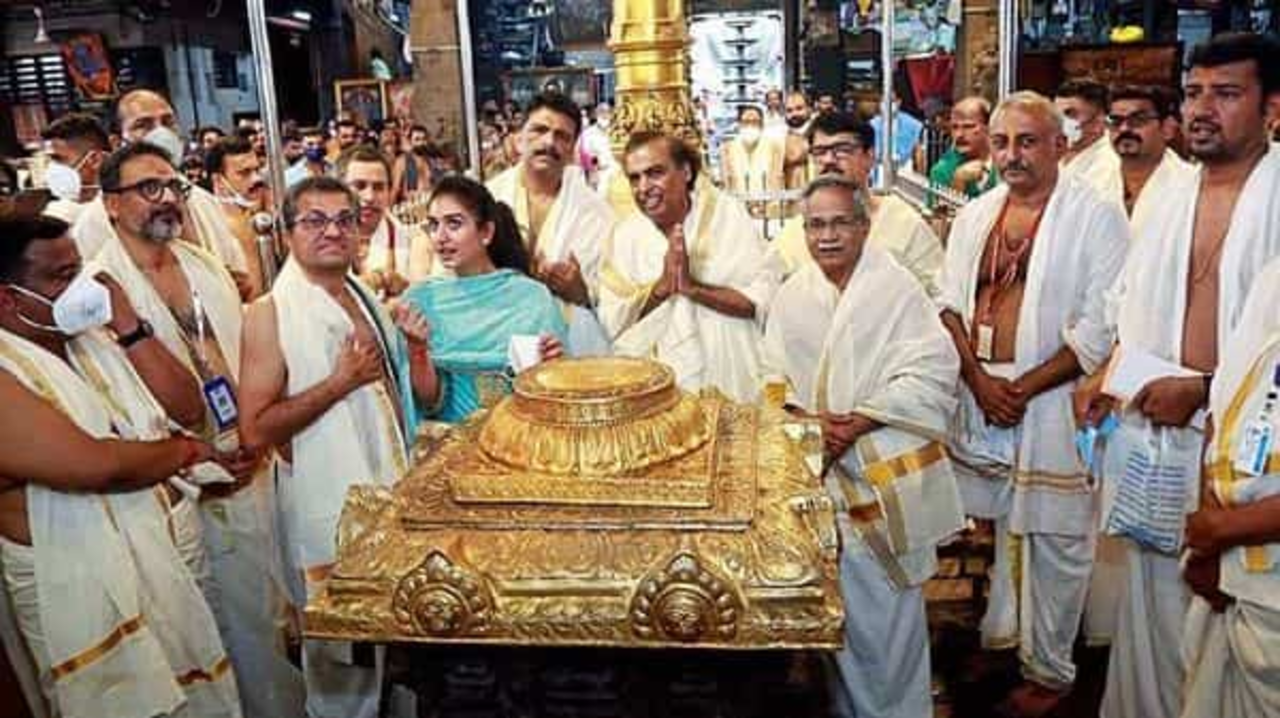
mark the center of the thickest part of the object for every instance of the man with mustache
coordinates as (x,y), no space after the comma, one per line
(860,346)
(841,144)
(145,116)
(966,167)
(235,171)
(1083,103)
(686,279)
(391,255)
(563,222)
(1023,292)
(190,301)
(1196,255)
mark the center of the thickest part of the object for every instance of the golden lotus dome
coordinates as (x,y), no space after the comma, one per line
(595,416)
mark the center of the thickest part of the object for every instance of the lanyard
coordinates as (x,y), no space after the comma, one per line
(1002,281)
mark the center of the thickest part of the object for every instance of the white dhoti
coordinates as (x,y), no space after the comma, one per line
(247,590)
(359,439)
(1232,659)
(1043,502)
(877,349)
(1149,303)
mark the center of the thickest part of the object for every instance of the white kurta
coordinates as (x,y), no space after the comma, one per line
(877,348)
(112,617)
(579,225)
(1045,496)
(93,228)
(1233,658)
(249,596)
(895,227)
(1150,306)
(704,347)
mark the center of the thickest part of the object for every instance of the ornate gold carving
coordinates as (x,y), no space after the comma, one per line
(440,599)
(684,601)
(595,417)
(423,562)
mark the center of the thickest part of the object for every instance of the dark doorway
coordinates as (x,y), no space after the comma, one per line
(296,94)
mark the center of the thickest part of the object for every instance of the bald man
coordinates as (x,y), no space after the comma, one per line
(146,116)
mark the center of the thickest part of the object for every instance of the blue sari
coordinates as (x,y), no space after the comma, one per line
(472,320)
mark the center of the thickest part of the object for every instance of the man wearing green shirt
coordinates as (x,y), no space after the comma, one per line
(966,167)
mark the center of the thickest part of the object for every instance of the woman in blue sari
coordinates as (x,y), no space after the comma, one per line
(489,298)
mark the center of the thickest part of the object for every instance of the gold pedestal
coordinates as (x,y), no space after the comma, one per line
(711,535)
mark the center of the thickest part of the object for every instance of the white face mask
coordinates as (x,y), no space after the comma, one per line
(1072,130)
(167,140)
(85,304)
(749,134)
(63,181)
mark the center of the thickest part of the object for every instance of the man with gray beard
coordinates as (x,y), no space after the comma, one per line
(190,302)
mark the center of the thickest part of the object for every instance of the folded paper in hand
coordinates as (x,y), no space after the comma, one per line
(523,352)
(1131,369)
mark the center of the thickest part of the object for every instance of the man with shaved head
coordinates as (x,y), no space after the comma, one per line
(966,167)
(1023,291)
(146,116)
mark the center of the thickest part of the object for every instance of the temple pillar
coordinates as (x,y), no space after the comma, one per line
(437,69)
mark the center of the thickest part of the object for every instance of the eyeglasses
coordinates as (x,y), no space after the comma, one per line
(152,190)
(839,225)
(317,223)
(841,150)
(1136,120)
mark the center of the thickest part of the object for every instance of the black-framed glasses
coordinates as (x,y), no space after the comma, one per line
(839,225)
(153,189)
(841,150)
(1135,120)
(317,222)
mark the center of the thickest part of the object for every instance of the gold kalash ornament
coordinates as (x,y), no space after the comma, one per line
(596,505)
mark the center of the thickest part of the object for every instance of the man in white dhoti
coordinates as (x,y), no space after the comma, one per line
(564,223)
(840,144)
(192,304)
(145,116)
(392,254)
(1084,108)
(861,348)
(1194,261)
(751,162)
(1023,295)
(327,379)
(1231,642)
(104,589)
(77,146)
(686,280)
(1142,121)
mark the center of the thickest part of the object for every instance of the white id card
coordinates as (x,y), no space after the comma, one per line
(986,342)
(1255,448)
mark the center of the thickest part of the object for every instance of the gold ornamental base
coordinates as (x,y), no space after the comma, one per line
(709,543)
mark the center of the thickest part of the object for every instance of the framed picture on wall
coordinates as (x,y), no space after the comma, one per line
(364,100)
(400,99)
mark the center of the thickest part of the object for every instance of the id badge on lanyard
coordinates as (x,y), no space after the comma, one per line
(1259,435)
(218,394)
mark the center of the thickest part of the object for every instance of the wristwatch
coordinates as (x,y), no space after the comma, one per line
(143,331)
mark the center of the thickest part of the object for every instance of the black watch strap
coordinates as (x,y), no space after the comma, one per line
(143,331)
